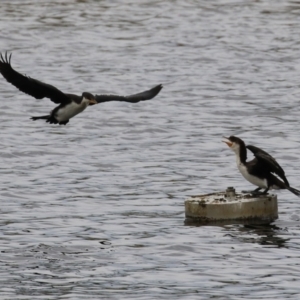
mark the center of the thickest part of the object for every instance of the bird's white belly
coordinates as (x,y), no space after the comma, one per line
(69,111)
(262,183)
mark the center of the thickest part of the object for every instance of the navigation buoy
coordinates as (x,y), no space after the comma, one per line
(231,207)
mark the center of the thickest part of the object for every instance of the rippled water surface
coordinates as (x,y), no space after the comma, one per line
(94,209)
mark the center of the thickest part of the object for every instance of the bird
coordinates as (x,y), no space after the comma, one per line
(69,104)
(259,171)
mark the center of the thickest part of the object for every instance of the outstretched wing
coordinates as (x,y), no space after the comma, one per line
(146,95)
(30,86)
(269,162)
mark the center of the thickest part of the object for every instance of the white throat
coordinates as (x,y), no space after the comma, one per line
(238,159)
(85,102)
(236,150)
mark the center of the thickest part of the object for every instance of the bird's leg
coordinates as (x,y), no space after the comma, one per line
(266,190)
(255,192)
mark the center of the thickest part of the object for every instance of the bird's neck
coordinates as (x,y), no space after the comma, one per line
(85,103)
(241,155)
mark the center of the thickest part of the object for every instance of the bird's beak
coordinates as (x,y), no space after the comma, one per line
(227,141)
(93,101)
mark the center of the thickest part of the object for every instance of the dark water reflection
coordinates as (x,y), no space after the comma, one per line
(265,235)
(95,209)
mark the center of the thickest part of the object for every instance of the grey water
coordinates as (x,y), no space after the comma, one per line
(95,209)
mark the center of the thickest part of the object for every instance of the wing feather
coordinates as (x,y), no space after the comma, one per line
(269,162)
(30,86)
(146,95)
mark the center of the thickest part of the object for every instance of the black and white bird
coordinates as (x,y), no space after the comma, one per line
(259,171)
(69,105)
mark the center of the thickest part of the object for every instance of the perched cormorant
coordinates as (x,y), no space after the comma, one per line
(69,105)
(259,171)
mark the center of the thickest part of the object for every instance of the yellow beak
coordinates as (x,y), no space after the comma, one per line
(92,102)
(227,141)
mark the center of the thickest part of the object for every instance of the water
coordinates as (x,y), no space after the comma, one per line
(94,209)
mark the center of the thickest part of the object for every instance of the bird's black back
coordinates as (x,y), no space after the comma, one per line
(268,162)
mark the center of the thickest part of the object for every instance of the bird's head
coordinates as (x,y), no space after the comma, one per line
(234,143)
(89,98)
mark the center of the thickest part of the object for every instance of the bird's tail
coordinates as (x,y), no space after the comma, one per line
(41,117)
(294,191)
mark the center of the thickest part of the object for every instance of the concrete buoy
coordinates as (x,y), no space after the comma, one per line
(231,207)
